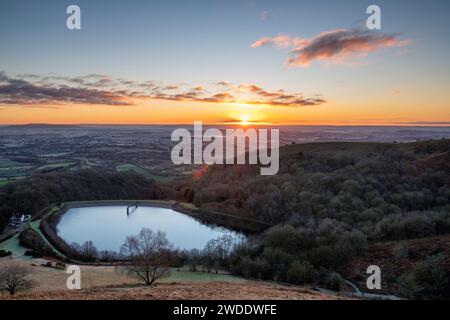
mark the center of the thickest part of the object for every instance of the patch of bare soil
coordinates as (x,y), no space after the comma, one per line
(186,291)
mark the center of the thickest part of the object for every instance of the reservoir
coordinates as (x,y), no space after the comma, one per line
(108,226)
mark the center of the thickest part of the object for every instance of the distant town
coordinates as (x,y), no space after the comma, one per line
(145,149)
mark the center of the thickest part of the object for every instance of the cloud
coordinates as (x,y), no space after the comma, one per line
(245,93)
(249,88)
(54,90)
(171,87)
(199,88)
(218,98)
(226,85)
(334,46)
(341,45)
(280,41)
(195,97)
(22,92)
(91,80)
(279,98)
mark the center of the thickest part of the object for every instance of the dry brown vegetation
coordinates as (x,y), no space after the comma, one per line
(187,291)
(396,259)
(102,282)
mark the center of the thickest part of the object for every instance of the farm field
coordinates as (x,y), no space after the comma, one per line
(141,171)
(51,166)
(4,182)
(5,163)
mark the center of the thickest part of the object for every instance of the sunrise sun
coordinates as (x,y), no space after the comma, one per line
(245,120)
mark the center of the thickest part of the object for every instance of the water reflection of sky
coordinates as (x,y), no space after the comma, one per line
(108,226)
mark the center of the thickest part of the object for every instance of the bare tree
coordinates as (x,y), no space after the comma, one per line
(89,250)
(211,255)
(226,243)
(13,278)
(149,255)
(217,251)
(194,259)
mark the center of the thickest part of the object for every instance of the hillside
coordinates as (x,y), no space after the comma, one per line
(332,203)
(398,258)
(333,209)
(108,282)
(437,162)
(187,291)
(329,180)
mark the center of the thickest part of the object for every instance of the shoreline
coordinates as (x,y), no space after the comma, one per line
(50,220)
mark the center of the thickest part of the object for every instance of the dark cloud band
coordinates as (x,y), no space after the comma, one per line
(34,90)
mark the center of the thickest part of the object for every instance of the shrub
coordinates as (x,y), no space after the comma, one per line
(29,238)
(285,237)
(278,261)
(301,272)
(334,281)
(426,280)
(408,285)
(256,269)
(322,256)
(4,253)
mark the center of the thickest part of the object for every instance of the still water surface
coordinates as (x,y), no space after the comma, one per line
(108,226)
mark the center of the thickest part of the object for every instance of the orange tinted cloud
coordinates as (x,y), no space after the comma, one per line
(244,94)
(44,91)
(334,46)
(281,41)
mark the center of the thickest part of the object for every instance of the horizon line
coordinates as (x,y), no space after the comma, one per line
(442,125)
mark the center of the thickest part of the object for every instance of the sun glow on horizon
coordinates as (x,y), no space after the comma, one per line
(245,120)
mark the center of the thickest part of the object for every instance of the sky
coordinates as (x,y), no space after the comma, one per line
(259,61)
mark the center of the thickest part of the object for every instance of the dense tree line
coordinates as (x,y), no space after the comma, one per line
(298,255)
(328,202)
(38,191)
(371,188)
